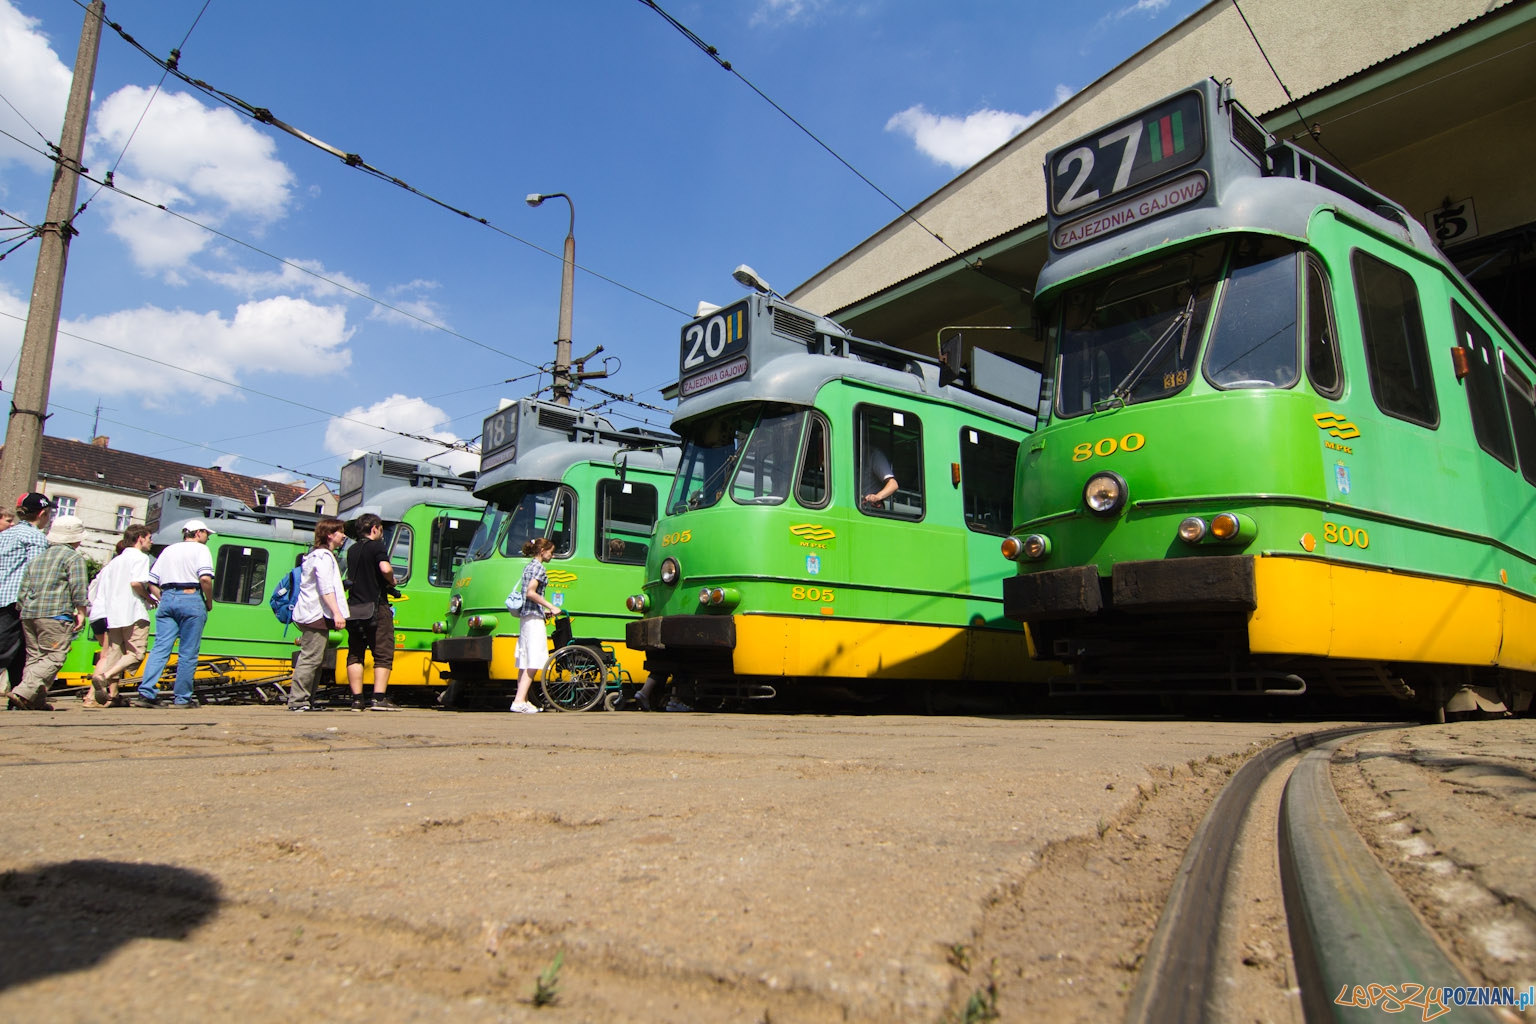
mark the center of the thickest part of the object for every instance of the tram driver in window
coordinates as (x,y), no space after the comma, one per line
(880,475)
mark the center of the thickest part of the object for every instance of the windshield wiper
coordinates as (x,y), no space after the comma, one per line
(1122,391)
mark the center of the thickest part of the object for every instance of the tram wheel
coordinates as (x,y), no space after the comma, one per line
(574,679)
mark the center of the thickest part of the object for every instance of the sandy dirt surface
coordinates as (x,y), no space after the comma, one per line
(1450,811)
(249,863)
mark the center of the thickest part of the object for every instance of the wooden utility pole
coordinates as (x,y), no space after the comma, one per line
(29,402)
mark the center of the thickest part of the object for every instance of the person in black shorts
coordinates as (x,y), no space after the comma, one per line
(370,620)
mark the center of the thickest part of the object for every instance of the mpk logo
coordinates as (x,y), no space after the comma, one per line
(1336,425)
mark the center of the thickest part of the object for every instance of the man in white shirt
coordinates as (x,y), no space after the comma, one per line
(181,586)
(122,589)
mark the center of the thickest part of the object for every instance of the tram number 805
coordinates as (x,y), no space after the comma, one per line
(812,594)
(1348,536)
(1107,446)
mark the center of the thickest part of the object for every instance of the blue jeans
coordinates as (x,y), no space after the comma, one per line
(181,616)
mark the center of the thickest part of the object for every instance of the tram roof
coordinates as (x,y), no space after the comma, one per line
(390,487)
(227,517)
(791,354)
(534,440)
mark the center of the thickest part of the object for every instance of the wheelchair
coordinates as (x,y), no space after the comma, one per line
(583,672)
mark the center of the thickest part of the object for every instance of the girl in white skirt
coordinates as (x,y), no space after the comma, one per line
(532,641)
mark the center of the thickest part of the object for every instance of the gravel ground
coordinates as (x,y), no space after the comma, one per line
(250,863)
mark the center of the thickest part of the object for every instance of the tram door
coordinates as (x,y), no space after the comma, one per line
(901,557)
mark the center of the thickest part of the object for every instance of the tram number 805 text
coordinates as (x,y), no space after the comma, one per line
(1348,536)
(812,594)
(670,539)
(1107,446)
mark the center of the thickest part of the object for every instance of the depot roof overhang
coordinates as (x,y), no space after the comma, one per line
(1479,67)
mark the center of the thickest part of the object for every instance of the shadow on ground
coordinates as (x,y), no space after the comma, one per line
(59,918)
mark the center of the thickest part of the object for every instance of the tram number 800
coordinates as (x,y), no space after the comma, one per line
(812,594)
(1348,536)
(1107,446)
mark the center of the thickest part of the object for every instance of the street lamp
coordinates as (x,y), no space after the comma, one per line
(562,375)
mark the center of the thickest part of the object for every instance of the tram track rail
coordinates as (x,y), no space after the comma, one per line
(1349,925)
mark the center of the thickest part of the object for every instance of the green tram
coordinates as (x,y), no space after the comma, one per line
(835,517)
(430,516)
(252,549)
(551,471)
(1283,444)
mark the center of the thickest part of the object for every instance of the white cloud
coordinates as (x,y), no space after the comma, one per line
(201,161)
(33,79)
(785,12)
(411,306)
(281,335)
(959,141)
(290,277)
(397,412)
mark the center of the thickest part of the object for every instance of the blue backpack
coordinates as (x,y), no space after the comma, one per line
(286,595)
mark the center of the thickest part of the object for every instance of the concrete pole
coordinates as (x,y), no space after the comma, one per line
(29,404)
(562,375)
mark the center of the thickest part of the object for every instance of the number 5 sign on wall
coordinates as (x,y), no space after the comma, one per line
(1455,221)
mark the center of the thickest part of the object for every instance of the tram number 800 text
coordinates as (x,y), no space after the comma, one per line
(1348,536)
(812,594)
(1107,446)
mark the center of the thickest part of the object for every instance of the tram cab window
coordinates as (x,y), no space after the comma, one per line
(401,539)
(710,446)
(1324,366)
(766,464)
(240,575)
(1133,337)
(451,536)
(1396,351)
(547,510)
(626,518)
(814,488)
(1484,398)
(889,451)
(986,480)
(1253,337)
(1522,415)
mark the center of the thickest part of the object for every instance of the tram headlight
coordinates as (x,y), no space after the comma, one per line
(1192,530)
(1105,493)
(482,624)
(704,596)
(670,571)
(1031,548)
(455,604)
(1233,528)
(637,602)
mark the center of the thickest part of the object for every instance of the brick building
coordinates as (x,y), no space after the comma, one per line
(109,489)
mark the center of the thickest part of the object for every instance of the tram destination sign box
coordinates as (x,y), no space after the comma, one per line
(498,437)
(1130,172)
(714,350)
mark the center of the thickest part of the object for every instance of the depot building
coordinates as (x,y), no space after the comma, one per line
(1429,102)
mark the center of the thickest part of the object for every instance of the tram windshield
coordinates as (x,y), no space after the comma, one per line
(1133,337)
(746,451)
(520,513)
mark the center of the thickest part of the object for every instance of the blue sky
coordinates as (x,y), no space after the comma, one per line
(678,170)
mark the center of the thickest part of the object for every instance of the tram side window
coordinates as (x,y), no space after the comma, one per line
(890,451)
(1396,351)
(451,536)
(1324,367)
(986,480)
(814,489)
(1253,343)
(1522,414)
(240,575)
(400,553)
(626,518)
(1483,399)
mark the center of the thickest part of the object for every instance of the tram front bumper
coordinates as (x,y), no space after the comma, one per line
(462,648)
(1202,584)
(686,632)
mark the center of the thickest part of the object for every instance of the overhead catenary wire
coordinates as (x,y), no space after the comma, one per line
(714,55)
(1313,130)
(265,116)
